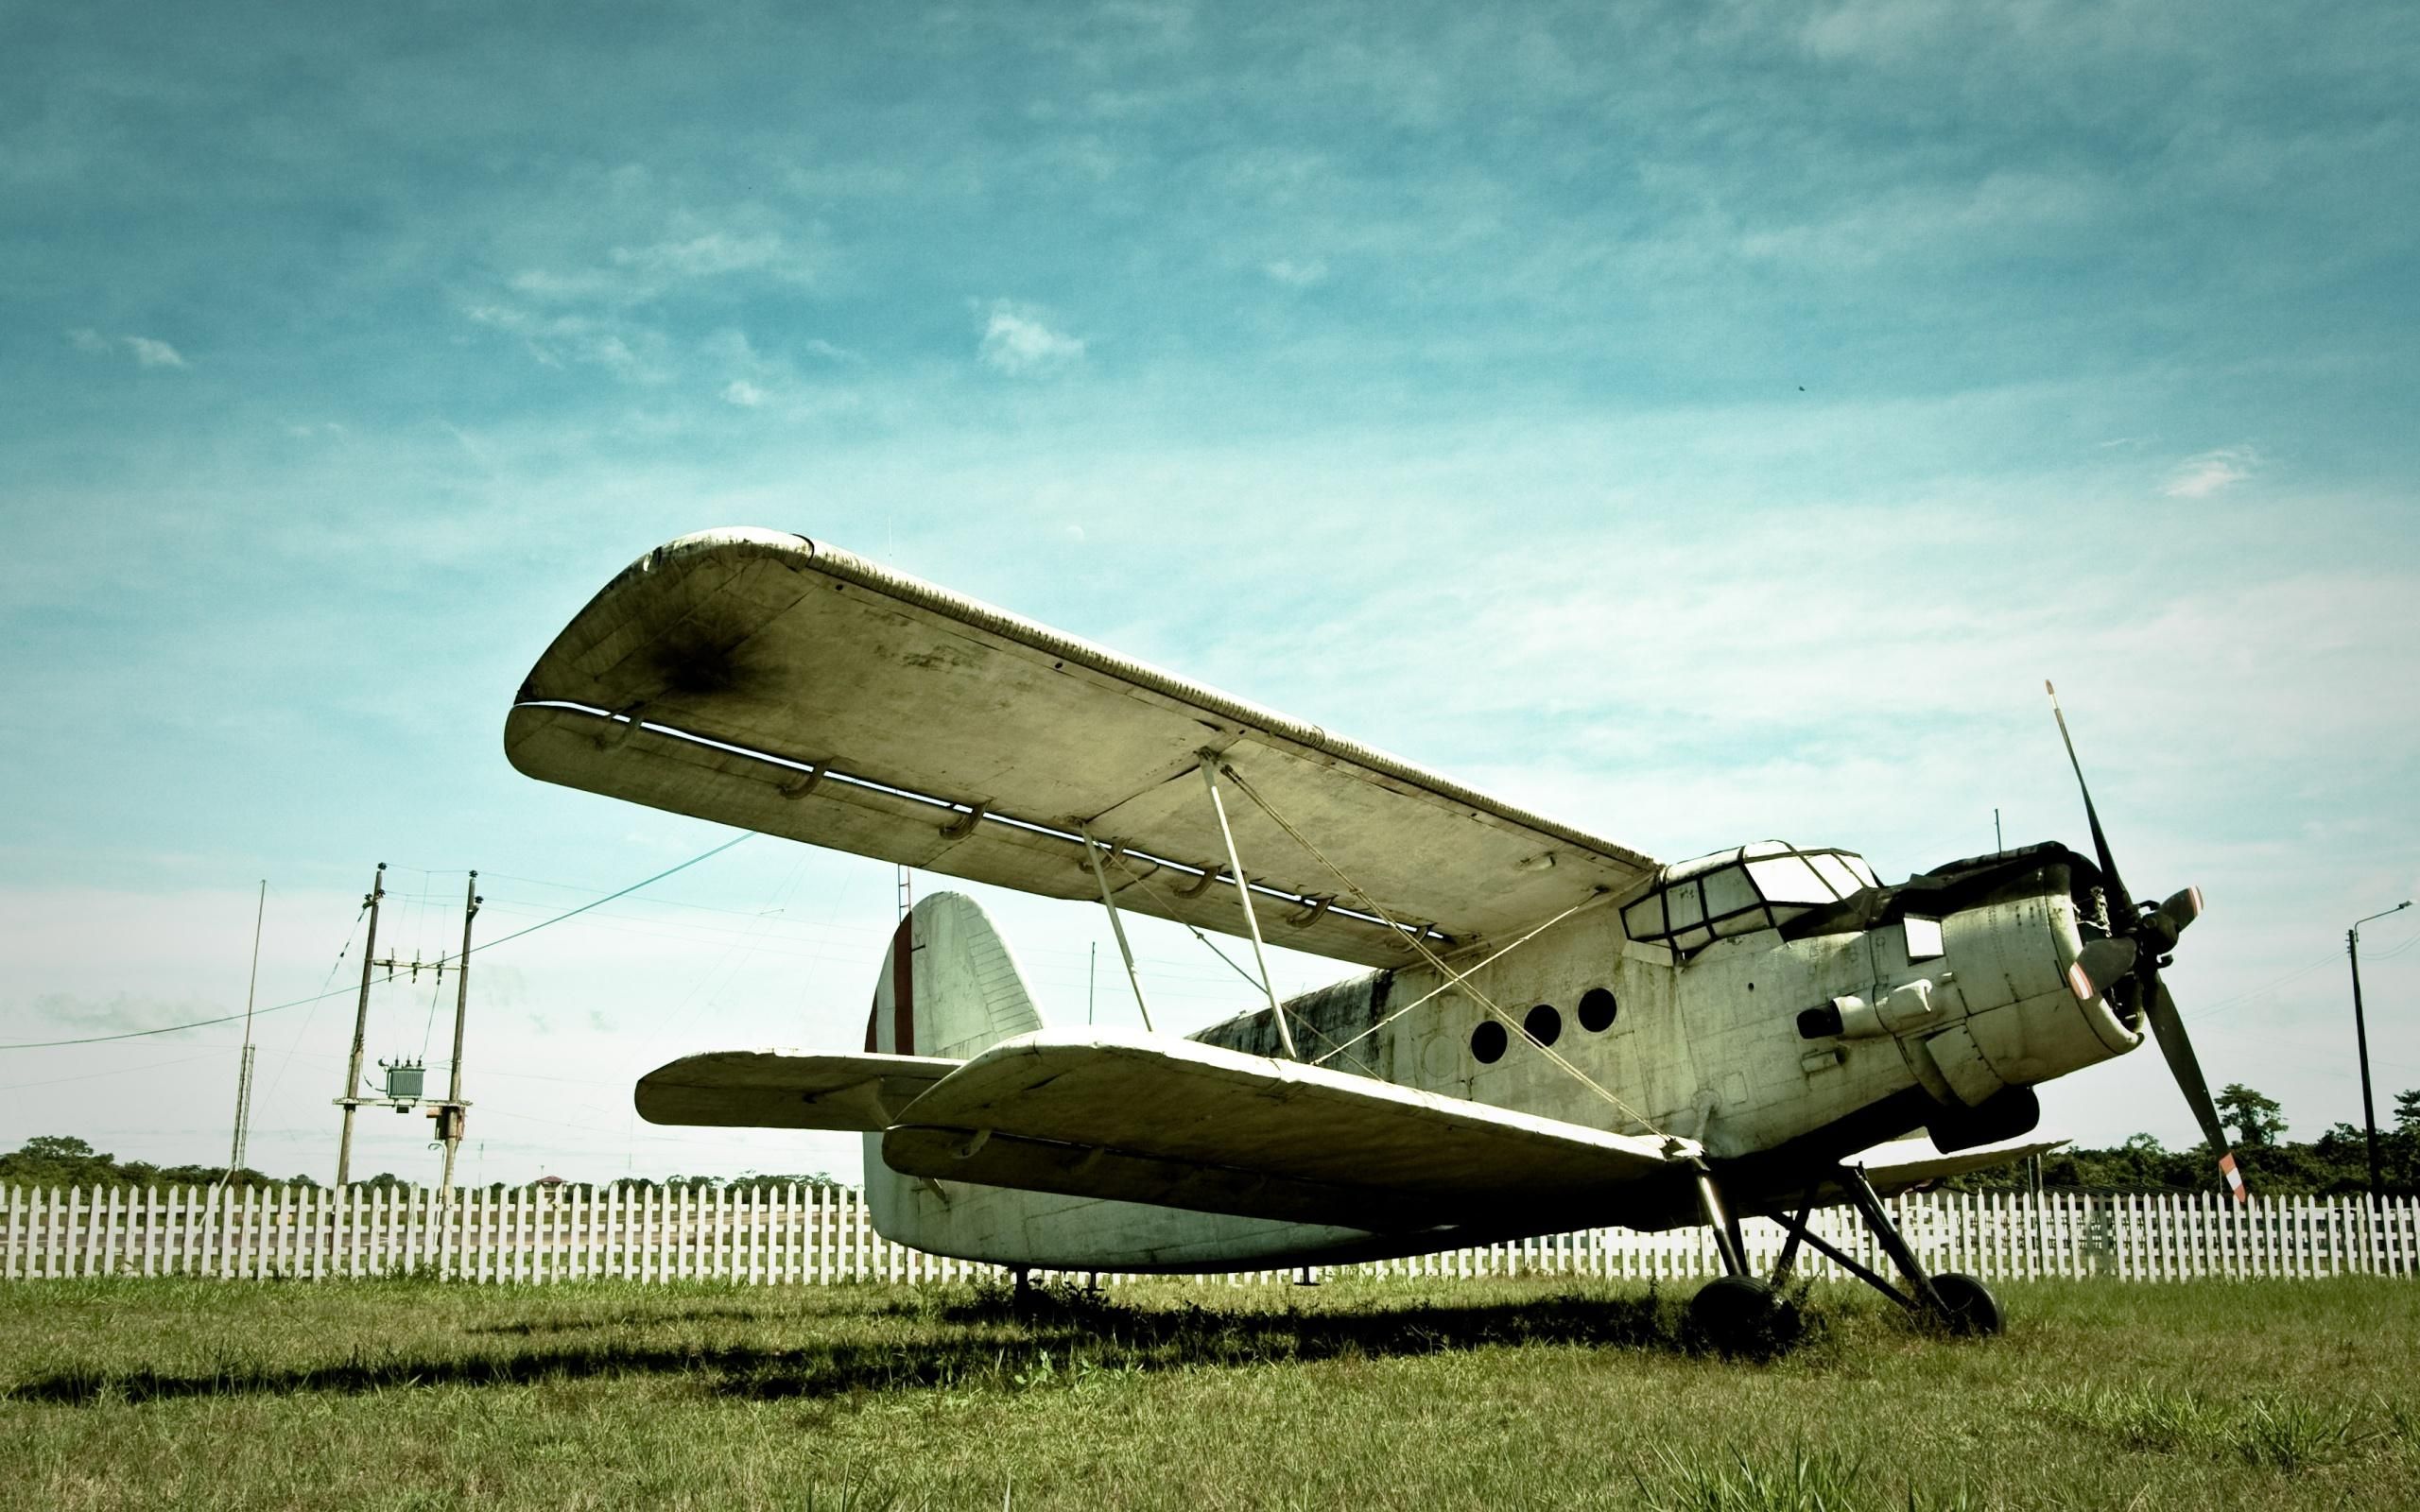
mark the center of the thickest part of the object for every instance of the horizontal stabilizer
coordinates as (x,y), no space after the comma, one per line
(1907,1174)
(1144,1118)
(773,1089)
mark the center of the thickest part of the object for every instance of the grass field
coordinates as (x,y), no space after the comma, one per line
(1505,1392)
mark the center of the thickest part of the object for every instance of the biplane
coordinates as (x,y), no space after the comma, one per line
(1549,1030)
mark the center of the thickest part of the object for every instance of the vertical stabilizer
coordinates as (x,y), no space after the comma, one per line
(947,986)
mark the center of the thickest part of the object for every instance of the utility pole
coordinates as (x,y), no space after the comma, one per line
(2361,1045)
(1998,845)
(244,1073)
(352,1100)
(452,1113)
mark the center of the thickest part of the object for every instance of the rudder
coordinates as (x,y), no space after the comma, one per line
(948,987)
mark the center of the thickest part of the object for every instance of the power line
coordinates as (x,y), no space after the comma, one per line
(198,1023)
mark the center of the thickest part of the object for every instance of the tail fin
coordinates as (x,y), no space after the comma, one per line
(947,987)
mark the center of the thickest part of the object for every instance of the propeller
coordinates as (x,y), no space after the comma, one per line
(2139,943)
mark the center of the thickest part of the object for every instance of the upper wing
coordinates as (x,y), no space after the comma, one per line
(1140,1118)
(772,1089)
(770,681)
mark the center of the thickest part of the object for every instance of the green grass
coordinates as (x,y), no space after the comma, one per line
(1364,1396)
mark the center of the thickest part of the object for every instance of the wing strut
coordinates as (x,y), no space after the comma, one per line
(1109,900)
(1243,890)
(1415,933)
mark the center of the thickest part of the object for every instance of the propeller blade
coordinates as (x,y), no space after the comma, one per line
(2169,1026)
(2099,967)
(2121,905)
(2160,927)
(2180,911)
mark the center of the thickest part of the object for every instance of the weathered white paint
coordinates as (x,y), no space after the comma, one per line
(788,653)
(768,680)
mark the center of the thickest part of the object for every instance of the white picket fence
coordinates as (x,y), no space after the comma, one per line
(798,1235)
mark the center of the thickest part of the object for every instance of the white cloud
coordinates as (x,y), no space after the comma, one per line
(552,338)
(2198,477)
(743,393)
(704,256)
(149,351)
(1017,342)
(151,354)
(1297,275)
(632,273)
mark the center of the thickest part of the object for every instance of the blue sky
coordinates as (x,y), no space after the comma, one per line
(1698,423)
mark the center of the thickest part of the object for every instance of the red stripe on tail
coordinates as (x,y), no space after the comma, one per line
(903,987)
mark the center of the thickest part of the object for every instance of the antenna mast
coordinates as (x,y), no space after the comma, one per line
(244,1075)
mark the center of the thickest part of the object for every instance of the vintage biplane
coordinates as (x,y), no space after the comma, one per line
(1551,1031)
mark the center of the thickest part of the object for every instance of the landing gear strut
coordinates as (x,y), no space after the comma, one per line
(1738,1312)
(1955,1302)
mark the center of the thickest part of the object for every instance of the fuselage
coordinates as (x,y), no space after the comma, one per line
(1783,1015)
(1804,1032)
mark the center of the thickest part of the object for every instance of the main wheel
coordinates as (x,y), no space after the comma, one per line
(1968,1307)
(1741,1315)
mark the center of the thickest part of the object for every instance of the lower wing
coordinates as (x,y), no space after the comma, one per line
(1139,1118)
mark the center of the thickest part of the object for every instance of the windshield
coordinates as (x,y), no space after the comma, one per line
(1741,891)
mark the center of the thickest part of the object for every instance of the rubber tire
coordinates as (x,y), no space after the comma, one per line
(1970,1309)
(1741,1315)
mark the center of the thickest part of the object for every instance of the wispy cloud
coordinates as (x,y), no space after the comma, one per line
(149,351)
(2198,477)
(554,340)
(1294,274)
(1017,341)
(741,393)
(640,272)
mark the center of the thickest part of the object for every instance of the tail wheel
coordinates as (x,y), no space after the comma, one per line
(1967,1306)
(1741,1315)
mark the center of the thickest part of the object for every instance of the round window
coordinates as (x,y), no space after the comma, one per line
(1488,1041)
(1544,1023)
(1597,1010)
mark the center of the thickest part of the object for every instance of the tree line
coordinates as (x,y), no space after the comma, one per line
(2335,1164)
(64,1160)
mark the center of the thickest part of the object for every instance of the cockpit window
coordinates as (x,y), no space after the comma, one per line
(1727,892)
(1835,873)
(1790,880)
(1739,892)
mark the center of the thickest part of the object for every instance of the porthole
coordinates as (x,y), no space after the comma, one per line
(1488,1041)
(1544,1023)
(1597,1010)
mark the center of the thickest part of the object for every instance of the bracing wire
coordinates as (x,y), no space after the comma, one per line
(1413,936)
(1255,982)
(488,945)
